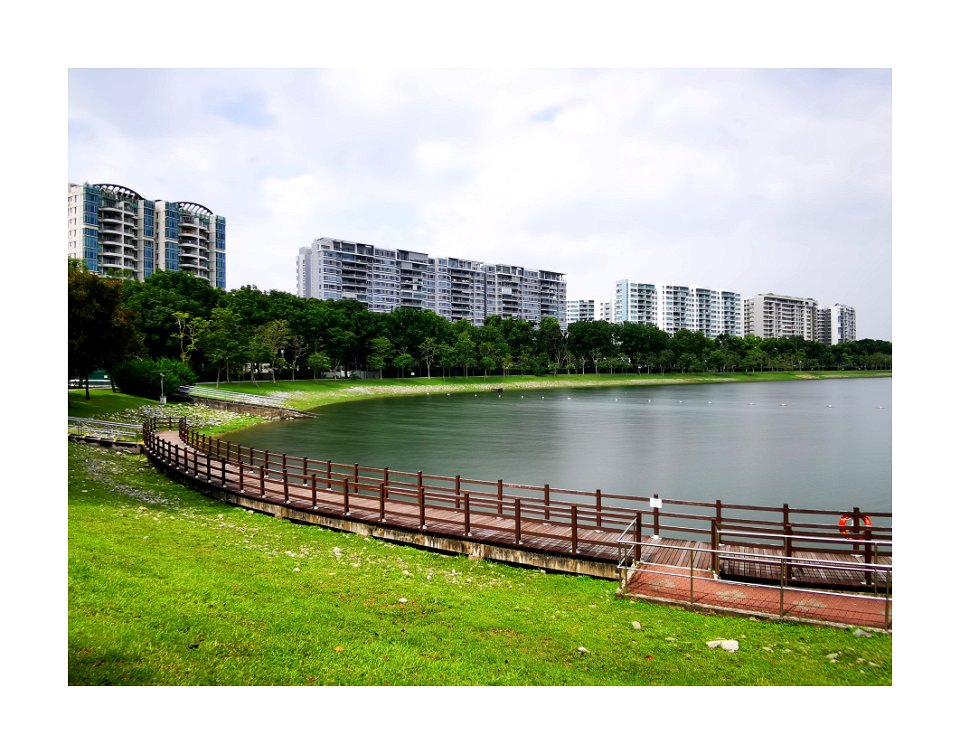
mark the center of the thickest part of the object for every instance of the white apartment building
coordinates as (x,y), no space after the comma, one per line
(119,233)
(580,310)
(604,310)
(836,324)
(770,315)
(456,289)
(675,307)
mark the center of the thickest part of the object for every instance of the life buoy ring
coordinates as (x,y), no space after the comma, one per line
(846,519)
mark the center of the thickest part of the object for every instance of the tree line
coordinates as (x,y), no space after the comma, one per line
(249,334)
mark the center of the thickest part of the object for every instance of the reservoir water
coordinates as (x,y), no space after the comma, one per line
(810,443)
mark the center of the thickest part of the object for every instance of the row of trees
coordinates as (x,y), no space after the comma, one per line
(235,334)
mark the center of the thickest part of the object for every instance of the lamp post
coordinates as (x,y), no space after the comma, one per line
(163,398)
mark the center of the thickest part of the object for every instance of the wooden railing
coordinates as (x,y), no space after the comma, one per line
(585,523)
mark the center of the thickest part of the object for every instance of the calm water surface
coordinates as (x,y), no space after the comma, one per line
(816,443)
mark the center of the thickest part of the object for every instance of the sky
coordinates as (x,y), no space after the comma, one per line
(755,180)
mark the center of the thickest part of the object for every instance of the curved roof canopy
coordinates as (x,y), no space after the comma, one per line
(117,189)
(194,207)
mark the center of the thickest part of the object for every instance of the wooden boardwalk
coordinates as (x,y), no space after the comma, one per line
(600,540)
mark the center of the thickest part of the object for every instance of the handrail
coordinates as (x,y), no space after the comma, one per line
(805,537)
(103,428)
(572,519)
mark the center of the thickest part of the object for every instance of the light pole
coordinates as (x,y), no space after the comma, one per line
(163,398)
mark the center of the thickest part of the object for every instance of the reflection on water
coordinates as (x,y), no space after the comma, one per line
(816,443)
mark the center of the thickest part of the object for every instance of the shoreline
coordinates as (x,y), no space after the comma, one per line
(348,390)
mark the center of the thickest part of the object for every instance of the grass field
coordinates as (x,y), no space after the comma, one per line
(167,587)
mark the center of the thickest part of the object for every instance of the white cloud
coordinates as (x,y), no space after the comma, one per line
(754,180)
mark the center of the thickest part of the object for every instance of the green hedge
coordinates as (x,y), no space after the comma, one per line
(142,377)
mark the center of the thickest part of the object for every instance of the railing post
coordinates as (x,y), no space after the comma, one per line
(599,508)
(782,585)
(638,529)
(346,497)
(286,486)
(329,473)
(856,529)
(868,557)
(573,529)
(691,576)
(456,492)
(546,502)
(305,470)
(789,537)
(421,503)
(262,487)
(208,466)
(499,497)
(356,477)
(223,473)
(313,490)
(383,502)
(240,465)
(656,520)
(466,514)
(516,518)
(715,546)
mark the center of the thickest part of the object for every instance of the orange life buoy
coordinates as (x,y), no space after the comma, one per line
(846,519)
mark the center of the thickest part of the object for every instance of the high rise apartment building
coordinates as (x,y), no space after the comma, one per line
(676,307)
(119,233)
(770,315)
(836,324)
(456,289)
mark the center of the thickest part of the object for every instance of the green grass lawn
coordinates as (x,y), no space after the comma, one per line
(167,587)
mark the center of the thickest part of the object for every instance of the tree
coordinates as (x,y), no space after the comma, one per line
(551,342)
(382,351)
(403,362)
(100,332)
(428,351)
(318,361)
(157,302)
(269,340)
(465,352)
(221,340)
(591,339)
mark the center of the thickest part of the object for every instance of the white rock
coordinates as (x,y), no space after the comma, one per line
(729,645)
(403,600)
(583,650)
(636,625)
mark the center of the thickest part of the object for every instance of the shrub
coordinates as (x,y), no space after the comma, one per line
(142,377)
